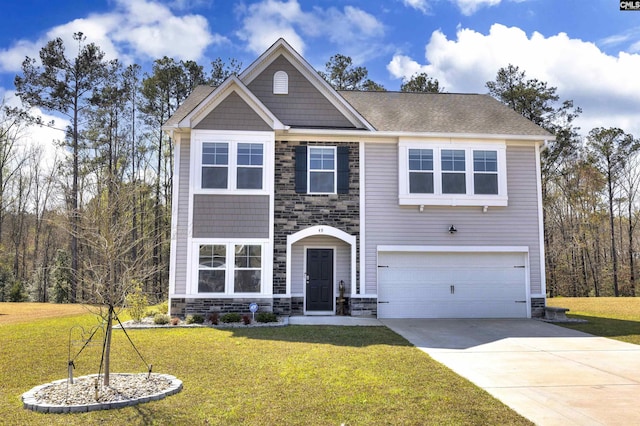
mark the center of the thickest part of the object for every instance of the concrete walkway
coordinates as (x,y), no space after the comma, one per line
(549,374)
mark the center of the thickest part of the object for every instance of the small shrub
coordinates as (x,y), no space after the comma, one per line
(214,318)
(230,317)
(246,319)
(175,321)
(163,307)
(195,319)
(161,319)
(266,317)
(151,312)
(137,303)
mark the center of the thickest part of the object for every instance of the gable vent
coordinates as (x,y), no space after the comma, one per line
(280,83)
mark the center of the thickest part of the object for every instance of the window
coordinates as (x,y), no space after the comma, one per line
(212,269)
(250,161)
(421,171)
(229,268)
(232,165)
(452,174)
(322,169)
(485,172)
(453,171)
(248,268)
(215,161)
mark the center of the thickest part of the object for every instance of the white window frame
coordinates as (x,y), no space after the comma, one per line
(233,139)
(440,199)
(230,268)
(334,171)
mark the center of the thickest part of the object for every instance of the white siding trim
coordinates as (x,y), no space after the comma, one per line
(363,205)
(543,274)
(174,219)
(455,249)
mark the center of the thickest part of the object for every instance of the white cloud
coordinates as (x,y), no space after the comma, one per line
(349,28)
(43,136)
(469,7)
(605,86)
(421,5)
(134,28)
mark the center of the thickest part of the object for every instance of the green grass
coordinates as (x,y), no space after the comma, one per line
(296,375)
(614,317)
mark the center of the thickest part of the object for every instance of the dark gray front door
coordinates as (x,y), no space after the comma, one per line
(320,280)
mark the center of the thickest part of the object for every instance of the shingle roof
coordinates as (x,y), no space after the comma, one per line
(440,113)
(193,100)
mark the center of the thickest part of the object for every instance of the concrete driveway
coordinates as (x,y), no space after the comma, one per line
(549,374)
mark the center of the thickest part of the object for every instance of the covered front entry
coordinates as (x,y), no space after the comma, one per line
(319,280)
(463,284)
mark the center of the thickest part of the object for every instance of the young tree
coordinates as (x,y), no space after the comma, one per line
(220,70)
(342,75)
(66,85)
(421,82)
(610,150)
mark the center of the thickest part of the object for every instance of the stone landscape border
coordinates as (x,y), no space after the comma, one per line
(30,402)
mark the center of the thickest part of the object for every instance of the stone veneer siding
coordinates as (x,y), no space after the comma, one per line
(294,212)
(537,307)
(182,307)
(364,306)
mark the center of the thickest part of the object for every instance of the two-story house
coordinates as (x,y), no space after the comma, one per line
(287,191)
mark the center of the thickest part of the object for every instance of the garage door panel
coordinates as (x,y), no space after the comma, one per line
(451,285)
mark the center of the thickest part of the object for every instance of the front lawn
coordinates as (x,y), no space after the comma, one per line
(306,375)
(614,317)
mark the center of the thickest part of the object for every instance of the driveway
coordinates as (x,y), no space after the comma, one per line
(549,374)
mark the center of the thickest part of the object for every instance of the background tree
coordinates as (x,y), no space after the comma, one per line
(536,101)
(342,75)
(610,149)
(421,82)
(66,85)
(220,70)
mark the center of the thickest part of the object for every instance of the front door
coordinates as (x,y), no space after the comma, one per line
(319,286)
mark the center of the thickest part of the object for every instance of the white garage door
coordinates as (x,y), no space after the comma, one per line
(451,285)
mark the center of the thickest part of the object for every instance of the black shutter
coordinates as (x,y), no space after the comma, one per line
(301,169)
(343,170)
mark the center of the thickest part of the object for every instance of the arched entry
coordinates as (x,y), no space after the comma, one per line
(317,279)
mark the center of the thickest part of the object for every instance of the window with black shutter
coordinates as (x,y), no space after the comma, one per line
(322,169)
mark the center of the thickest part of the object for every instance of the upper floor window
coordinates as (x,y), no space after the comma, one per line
(485,172)
(452,174)
(421,171)
(232,165)
(322,169)
(250,162)
(215,165)
(453,171)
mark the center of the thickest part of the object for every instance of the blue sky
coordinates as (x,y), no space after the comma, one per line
(589,50)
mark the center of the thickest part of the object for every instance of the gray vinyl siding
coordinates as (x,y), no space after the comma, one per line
(183,216)
(233,113)
(230,216)
(303,106)
(342,255)
(388,223)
